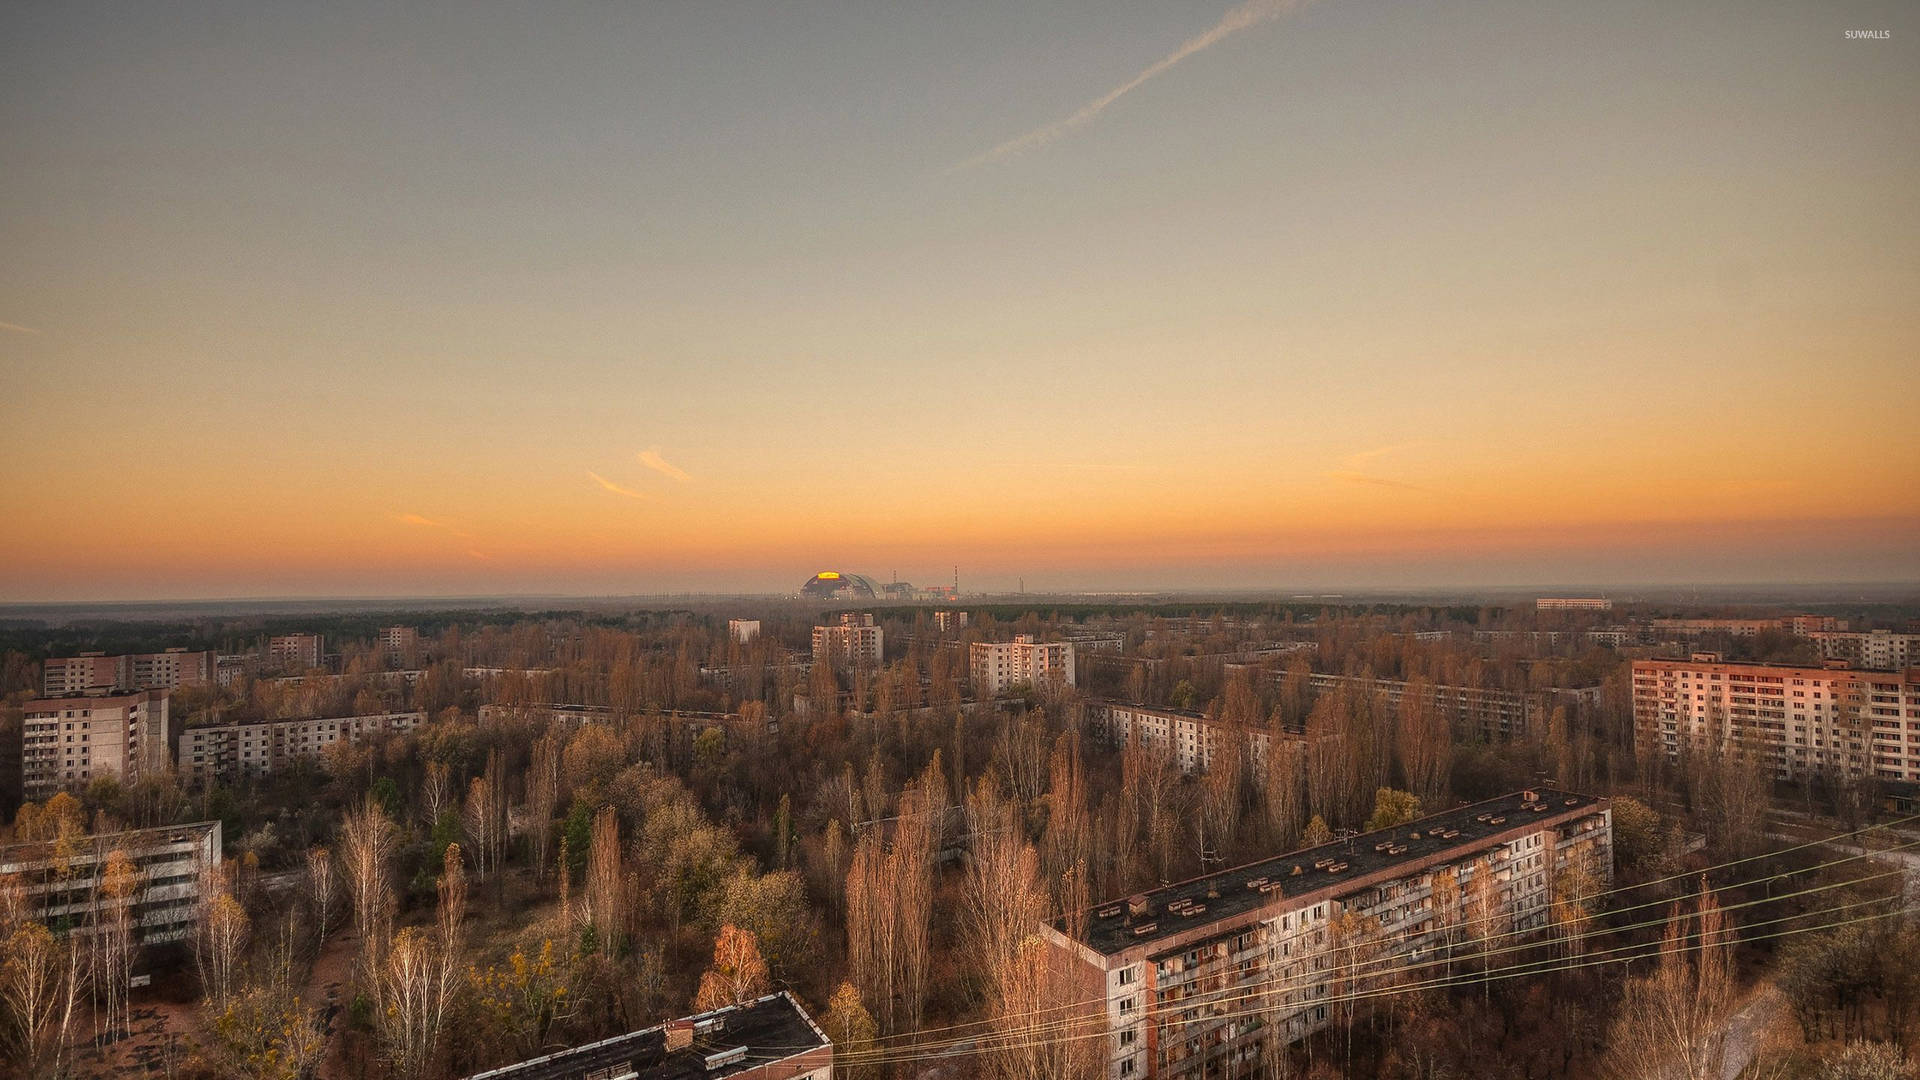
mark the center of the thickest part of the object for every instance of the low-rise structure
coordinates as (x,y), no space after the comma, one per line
(771,1038)
(70,740)
(1211,977)
(60,881)
(999,666)
(227,752)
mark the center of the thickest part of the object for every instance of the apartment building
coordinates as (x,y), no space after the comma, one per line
(1882,649)
(72,739)
(852,641)
(399,642)
(1833,720)
(1491,714)
(303,652)
(229,752)
(999,666)
(1209,977)
(743,631)
(1193,738)
(950,622)
(169,670)
(562,717)
(61,882)
(770,1038)
(1572,603)
(1804,625)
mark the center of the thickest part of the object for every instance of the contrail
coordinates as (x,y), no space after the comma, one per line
(18,329)
(1246,16)
(613,487)
(651,459)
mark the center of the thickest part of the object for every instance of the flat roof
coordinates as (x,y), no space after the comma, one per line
(1227,893)
(775,1024)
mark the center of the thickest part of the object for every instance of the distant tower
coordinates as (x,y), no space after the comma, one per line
(956,579)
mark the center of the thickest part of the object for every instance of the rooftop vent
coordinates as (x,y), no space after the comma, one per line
(1138,905)
(725,1058)
(679,1035)
(1145,928)
(1257,882)
(1110,911)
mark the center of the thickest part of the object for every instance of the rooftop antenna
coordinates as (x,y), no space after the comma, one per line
(1345,836)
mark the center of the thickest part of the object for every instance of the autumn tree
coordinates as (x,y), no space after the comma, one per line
(606,883)
(367,848)
(41,979)
(738,974)
(1672,1022)
(543,798)
(1425,742)
(322,890)
(851,1028)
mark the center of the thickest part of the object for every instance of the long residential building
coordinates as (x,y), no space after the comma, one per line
(93,672)
(228,752)
(1212,977)
(70,740)
(1791,624)
(1882,649)
(769,1038)
(999,666)
(60,881)
(1491,714)
(852,641)
(1573,603)
(1193,738)
(1833,720)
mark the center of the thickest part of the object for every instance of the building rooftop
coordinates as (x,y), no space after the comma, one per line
(1228,893)
(773,1026)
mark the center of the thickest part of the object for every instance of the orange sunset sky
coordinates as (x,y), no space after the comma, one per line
(304,300)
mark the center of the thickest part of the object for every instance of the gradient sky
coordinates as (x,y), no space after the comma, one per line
(321,299)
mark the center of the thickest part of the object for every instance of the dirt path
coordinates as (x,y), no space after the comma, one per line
(326,990)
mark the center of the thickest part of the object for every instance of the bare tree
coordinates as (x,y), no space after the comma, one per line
(1426,743)
(367,847)
(40,982)
(606,882)
(1673,1022)
(223,941)
(113,942)
(323,887)
(543,797)
(738,974)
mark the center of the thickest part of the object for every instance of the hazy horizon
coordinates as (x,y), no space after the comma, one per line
(309,300)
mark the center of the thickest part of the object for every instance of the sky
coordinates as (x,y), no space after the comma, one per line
(609,298)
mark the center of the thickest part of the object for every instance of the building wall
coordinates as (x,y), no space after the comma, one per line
(69,741)
(169,670)
(1801,719)
(854,640)
(998,666)
(1215,999)
(1493,714)
(302,651)
(230,751)
(1882,649)
(1193,739)
(61,886)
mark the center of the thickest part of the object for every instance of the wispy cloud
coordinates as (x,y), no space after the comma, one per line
(425,522)
(1244,17)
(18,329)
(1353,469)
(613,487)
(481,555)
(651,458)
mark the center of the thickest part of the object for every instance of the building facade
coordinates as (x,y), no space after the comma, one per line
(399,642)
(1491,714)
(1192,738)
(950,622)
(229,752)
(1886,650)
(1831,720)
(852,641)
(743,631)
(1210,978)
(300,651)
(770,1038)
(999,666)
(1572,603)
(73,739)
(60,882)
(169,670)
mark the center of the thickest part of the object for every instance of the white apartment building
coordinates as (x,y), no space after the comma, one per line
(71,740)
(1192,738)
(1804,720)
(1882,649)
(998,666)
(230,751)
(743,631)
(852,641)
(1572,603)
(1212,977)
(62,888)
